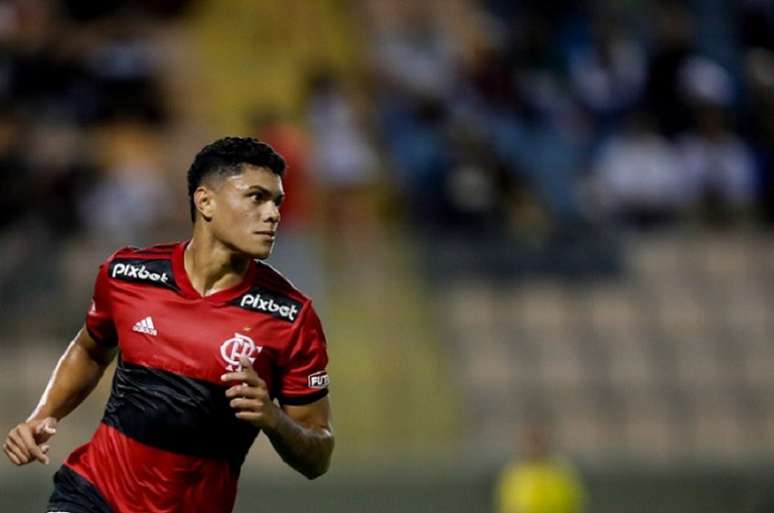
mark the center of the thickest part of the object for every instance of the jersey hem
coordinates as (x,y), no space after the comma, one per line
(100,340)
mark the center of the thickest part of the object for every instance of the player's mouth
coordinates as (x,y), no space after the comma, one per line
(267,233)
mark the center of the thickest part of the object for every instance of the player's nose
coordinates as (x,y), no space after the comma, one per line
(271,213)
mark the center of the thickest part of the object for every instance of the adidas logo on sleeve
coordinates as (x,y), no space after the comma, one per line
(145,326)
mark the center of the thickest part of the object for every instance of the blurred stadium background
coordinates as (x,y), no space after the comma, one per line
(504,210)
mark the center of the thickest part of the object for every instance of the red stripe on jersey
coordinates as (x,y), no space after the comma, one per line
(136,478)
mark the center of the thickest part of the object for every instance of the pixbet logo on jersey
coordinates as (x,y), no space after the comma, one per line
(270,306)
(237,346)
(137,272)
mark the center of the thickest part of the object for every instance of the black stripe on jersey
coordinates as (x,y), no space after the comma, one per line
(177,413)
(303,399)
(262,300)
(156,272)
(75,494)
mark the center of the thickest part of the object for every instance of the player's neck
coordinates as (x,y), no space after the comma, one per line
(211,266)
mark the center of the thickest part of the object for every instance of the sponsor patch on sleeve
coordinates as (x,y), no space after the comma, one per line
(319,380)
(151,272)
(265,301)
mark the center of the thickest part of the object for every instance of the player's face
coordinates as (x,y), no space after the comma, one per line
(245,211)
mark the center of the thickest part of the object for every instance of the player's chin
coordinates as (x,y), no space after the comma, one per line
(260,250)
(254,245)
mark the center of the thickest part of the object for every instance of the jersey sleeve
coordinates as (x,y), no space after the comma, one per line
(304,378)
(99,319)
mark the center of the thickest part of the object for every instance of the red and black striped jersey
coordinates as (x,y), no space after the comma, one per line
(169,442)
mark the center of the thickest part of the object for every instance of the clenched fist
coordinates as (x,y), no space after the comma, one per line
(250,397)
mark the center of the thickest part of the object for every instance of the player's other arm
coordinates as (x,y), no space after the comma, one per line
(75,376)
(301,435)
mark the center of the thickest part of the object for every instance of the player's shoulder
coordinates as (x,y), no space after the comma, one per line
(155,252)
(142,266)
(268,277)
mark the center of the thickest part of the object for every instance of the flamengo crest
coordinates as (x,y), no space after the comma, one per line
(237,346)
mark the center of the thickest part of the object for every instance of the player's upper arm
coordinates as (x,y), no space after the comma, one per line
(314,415)
(100,353)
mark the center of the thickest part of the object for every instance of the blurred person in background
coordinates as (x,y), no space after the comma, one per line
(192,389)
(608,72)
(539,481)
(718,163)
(345,166)
(636,177)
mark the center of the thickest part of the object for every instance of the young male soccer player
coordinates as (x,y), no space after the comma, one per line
(208,338)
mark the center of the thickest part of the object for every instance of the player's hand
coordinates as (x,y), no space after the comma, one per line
(27,441)
(250,396)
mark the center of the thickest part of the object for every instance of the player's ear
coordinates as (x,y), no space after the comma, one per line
(204,199)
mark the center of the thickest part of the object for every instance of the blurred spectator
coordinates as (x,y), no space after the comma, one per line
(413,136)
(636,176)
(608,73)
(702,81)
(718,162)
(540,481)
(341,153)
(343,162)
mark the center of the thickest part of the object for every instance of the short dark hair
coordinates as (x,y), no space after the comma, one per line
(226,157)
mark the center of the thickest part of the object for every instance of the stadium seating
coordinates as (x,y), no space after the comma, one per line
(671,360)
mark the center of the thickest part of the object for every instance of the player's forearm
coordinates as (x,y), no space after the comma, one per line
(75,376)
(306,449)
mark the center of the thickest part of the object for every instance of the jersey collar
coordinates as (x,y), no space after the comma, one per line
(222,296)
